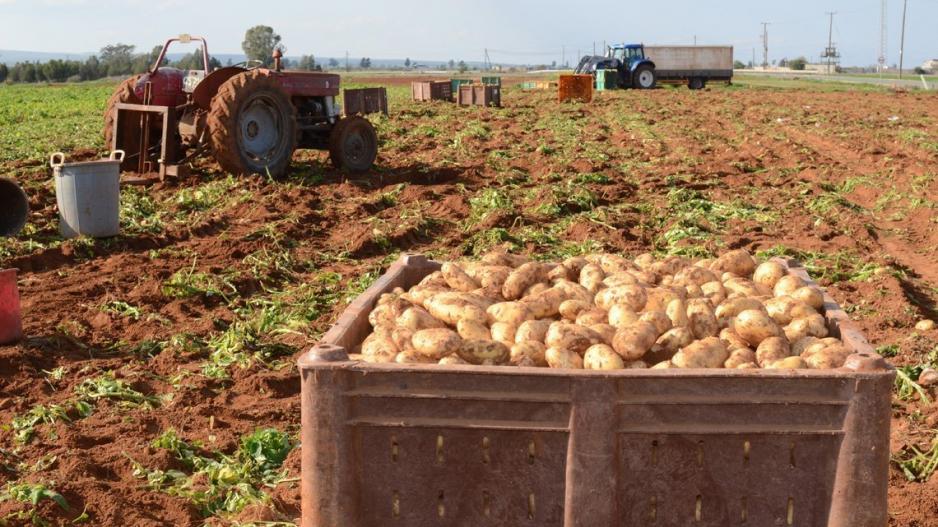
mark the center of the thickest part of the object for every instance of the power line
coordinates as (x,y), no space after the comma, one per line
(905,7)
(765,45)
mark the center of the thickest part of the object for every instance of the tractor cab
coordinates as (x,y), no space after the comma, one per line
(627,54)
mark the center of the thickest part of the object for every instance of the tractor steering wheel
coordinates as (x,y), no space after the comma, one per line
(250,64)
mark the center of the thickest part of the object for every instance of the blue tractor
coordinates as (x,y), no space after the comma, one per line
(629,60)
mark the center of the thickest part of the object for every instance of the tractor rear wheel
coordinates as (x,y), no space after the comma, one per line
(124,93)
(353,144)
(644,78)
(252,125)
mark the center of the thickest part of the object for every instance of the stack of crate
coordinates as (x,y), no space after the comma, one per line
(431,91)
(576,88)
(606,80)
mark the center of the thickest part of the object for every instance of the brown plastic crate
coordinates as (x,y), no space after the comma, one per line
(364,101)
(479,95)
(422,445)
(576,88)
(431,91)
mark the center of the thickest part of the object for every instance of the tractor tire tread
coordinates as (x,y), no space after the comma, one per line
(124,93)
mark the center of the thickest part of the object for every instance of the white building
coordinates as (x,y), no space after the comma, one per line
(930,65)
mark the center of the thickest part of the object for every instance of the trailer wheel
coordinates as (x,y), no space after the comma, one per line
(252,125)
(696,83)
(353,144)
(644,78)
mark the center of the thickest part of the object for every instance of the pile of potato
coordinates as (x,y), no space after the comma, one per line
(606,312)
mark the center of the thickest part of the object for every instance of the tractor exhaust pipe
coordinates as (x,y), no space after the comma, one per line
(14,208)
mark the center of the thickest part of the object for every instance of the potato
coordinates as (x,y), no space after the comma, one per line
(660,320)
(602,357)
(739,357)
(621,278)
(561,272)
(788,363)
(787,285)
(504,332)
(563,359)
(670,265)
(812,326)
(701,319)
(522,278)
(490,275)
(436,343)
(453,307)
(575,264)
(502,258)
(632,342)
(811,296)
(571,337)
(644,261)
(829,357)
(666,365)
(416,318)
(670,343)
(615,263)
(693,275)
(433,279)
(458,279)
(532,330)
(714,291)
(403,339)
(591,317)
(633,296)
(473,330)
(413,357)
(621,315)
(636,365)
(386,314)
(420,294)
(769,273)
(605,332)
(748,366)
(771,350)
(452,360)
(482,352)
(537,288)
(591,277)
(514,313)
(744,287)
(732,339)
(799,346)
(529,353)
(694,291)
(574,291)
(658,298)
(677,313)
(754,326)
(546,303)
(780,309)
(379,348)
(705,353)
(571,309)
(738,262)
(732,307)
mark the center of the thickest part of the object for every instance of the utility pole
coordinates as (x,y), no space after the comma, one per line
(347,68)
(905,7)
(765,45)
(563,56)
(830,53)
(883,36)
(695,40)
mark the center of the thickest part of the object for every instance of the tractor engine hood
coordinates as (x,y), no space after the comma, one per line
(166,87)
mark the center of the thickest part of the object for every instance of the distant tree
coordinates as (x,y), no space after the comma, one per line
(194,60)
(333,63)
(90,69)
(407,62)
(739,65)
(462,66)
(307,63)
(118,59)
(798,63)
(365,63)
(452,64)
(259,43)
(229,63)
(553,65)
(4,72)
(920,71)
(783,62)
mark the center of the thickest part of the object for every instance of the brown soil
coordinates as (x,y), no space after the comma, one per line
(768,147)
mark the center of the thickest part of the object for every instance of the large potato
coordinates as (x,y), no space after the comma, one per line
(714,292)
(738,262)
(739,357)
(769,273)
(529,353)
(504,332)
(621,315)
(571,337)
(787,285)
(574,291)
(832,356)
(729,309)
(473,330)
(701,318)
(732,339)
(744,287)
(788,363)
(532,330)
(644,261)
(563,359)
(754,326)
(514,313)
(605,332)
(379,348)
(706,353)
(781,309)
(453,307)
(670,343)
(658,298)
(622,278)
(811,296)
(403,339)
(545,304)
(535,289)
(458,279)
(436,343)
(602,357)
(571,309)
(386,314)
(810,326)
(413,357)
(522,278)
(659,319)
(490,275)
(416,318)
(482,352)
(633,296)
(575,264)
(591,317)
(799,346)
(452,360)
(693,275)
(615,263)
(677,313)
(591,277)
(632,342)
(771,350)
(420,294)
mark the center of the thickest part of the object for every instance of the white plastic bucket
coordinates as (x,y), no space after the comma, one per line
(88,196)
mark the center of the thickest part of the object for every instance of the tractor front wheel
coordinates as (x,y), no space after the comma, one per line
(353,144)
(644,78)
(252,125)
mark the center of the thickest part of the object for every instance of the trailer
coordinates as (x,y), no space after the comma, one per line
(644,67)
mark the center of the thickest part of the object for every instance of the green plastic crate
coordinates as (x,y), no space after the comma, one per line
(606,80)
(492,81)
(456,83)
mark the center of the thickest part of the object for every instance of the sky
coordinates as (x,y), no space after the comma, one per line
(515,31)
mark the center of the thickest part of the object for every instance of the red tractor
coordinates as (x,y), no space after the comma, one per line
(249,117)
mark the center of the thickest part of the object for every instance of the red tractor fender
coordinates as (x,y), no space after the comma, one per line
(208,88)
